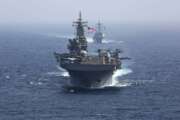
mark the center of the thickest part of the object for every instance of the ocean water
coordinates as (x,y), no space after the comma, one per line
(147,88)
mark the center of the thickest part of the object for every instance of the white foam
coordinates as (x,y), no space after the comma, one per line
(35,83)
(39,83)
(111,41)
(61,73)
(105,41)
(121,72)
(89,39)
(31,82)
(7,77)
(118,73)
(114,82)
(60,36)
(64,73)
(54,73)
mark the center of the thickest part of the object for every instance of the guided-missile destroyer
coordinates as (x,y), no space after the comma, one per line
(85,69)
(99,35)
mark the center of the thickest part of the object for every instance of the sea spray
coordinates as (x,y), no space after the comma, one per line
(63,73)
(89,39)
(113,83)
(119,73)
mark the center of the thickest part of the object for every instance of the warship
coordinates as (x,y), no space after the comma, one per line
(86,69)
(99,35)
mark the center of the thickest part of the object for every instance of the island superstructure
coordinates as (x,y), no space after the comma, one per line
(86,69)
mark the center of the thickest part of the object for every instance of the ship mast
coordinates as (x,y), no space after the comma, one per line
(99,26)
(80,36)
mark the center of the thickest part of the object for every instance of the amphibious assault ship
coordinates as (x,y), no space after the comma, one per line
(98,36)
(85,69)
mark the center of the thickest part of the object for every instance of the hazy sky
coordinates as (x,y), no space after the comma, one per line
(64,11)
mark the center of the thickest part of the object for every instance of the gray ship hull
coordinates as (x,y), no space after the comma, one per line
(89,75)
(88,70)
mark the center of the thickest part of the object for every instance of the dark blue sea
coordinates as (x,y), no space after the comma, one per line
(146,88)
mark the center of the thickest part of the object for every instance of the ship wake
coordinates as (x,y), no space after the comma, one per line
(115,82)
(89,39)
(62,72)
